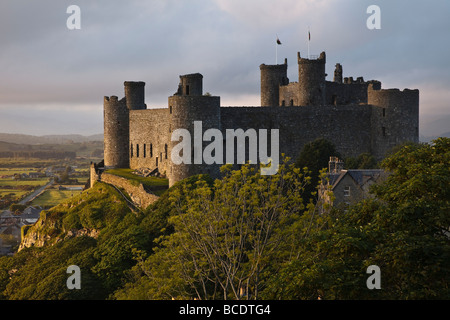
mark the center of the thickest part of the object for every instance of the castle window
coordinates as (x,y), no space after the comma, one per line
(383,129)
(151,150)
(131,150)
(170,109)
(145,151)
(291,102)
(333,99)
(283,103)
(165,150)
(137,150)
(384,112)
(187,90)
(347,191)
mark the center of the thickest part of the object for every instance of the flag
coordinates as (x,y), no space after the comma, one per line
(278,41)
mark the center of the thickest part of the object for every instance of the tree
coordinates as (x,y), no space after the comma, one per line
(404,230)
(228,238)
(363,161)
(315,156)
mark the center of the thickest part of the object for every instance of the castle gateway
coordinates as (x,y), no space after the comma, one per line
(356,115)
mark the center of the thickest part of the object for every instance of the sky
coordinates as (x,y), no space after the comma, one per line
(53,79)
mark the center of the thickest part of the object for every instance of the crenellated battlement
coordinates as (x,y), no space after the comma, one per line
(358,116)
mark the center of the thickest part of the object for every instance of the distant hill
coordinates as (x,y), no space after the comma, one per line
(428,139)
(435,126)
(48,139)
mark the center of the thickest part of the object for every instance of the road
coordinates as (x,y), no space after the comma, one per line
(33,195)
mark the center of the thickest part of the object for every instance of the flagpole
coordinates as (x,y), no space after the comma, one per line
(276,49)
(309,39)
(276,53)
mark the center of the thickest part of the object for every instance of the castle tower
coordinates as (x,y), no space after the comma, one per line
(395,117)
(116,132)
(135,95)
(338,73)
(187,106)
(272,76)
(311,80)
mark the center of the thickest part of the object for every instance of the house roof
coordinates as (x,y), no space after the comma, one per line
(360,176)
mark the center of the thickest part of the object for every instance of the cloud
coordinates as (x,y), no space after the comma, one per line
(44,63)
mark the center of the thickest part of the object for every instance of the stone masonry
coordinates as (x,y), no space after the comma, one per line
(357,116)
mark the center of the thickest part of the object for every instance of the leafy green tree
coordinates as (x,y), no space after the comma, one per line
(315,156)
(227,238)
(363,161)
(404,230)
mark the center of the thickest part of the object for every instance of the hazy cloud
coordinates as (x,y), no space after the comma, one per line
(43,63)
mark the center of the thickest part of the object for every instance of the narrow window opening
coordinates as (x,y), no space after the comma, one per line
(187,90)
(384,112)
(334,99)
(145,151)
(137,150)
(151,150)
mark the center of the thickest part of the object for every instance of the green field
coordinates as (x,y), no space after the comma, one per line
(16,183)
(53,197)
(23,187)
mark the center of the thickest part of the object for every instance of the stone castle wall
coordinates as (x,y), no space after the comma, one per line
(137,193)
(149,136)
(357,116)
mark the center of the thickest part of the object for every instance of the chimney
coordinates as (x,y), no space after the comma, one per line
(335,165)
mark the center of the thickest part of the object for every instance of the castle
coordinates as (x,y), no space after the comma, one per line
(356,115)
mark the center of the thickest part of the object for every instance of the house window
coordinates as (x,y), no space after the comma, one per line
(347,191)
(137,150)
(145,151)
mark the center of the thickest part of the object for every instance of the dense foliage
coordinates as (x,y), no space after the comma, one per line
(248,236)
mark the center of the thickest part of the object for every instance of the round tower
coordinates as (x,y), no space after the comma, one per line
(311,80)
(272,77)
(135,95)
(116,132)
(187,106)
(395,117)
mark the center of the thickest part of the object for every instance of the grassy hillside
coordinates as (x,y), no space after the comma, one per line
(95,231)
